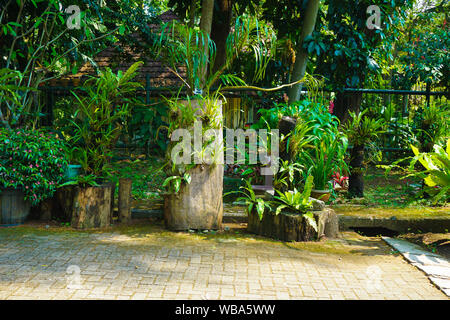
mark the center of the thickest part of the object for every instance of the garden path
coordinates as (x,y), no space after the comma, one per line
(147,262)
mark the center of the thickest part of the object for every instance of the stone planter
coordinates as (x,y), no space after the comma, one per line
(323,195)
(294,227)
(13,208)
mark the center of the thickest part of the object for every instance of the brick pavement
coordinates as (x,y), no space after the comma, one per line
(147,262)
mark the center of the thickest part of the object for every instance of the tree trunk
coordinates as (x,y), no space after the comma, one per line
(199,204)
(125,200)
(91,207)
(302,55)
(286,126)
(192,9)
(294,227)
(205,26)
(220,29)
(346,102)
(356,179)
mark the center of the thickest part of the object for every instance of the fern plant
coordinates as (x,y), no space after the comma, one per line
(251,201)
(361,131)
(297,201)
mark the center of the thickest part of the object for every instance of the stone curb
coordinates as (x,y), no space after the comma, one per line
(434,225)
(436,267)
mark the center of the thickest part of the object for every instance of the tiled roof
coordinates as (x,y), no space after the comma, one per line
(121,58)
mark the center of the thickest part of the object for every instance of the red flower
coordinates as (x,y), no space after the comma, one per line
(331,107)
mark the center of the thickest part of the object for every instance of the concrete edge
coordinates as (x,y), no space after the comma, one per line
(440,279)
(434,225)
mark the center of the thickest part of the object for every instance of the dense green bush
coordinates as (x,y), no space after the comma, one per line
(33,161)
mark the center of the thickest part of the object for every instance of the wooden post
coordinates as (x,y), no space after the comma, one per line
(125,200)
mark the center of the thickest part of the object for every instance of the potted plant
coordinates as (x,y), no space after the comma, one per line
(95,131)
(32,165)
(194,198)
(326,158)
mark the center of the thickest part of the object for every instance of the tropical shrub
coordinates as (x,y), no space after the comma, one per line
(361,132)
(293,200)
(98,121)
(435,172)
(325,159)
(33,161)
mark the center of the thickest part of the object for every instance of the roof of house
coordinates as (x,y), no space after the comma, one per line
(121,57)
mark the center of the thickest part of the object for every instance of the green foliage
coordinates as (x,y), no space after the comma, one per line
(435,124)
(285,177)
(251,201)
(83,181)
(294,199)
(314,115)
(422,47)
(33,161)
(36,42)
(436,172)
(326,158)
(97,123)
(344,48)
(183,49)
(173,183)
(11,107)
(362,130)
(143,127)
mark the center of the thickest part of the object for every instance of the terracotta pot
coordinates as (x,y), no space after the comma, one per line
(323,195)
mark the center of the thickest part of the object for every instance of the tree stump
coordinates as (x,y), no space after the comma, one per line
(91,207)
(198,205)
(294,227)
(125,200)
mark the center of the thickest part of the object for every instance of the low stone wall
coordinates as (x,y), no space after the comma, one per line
(294,227)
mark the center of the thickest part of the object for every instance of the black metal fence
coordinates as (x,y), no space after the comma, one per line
(399,108)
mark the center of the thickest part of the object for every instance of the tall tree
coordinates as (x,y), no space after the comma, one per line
(302,54)
(345,46)
(205,26)
(221,28)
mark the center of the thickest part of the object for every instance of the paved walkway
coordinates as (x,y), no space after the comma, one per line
(147,262)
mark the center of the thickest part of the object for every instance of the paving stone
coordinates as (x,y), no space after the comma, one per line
(433,265)
(183,266)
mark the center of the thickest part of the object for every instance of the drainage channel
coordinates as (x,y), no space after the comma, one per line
(375,231)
